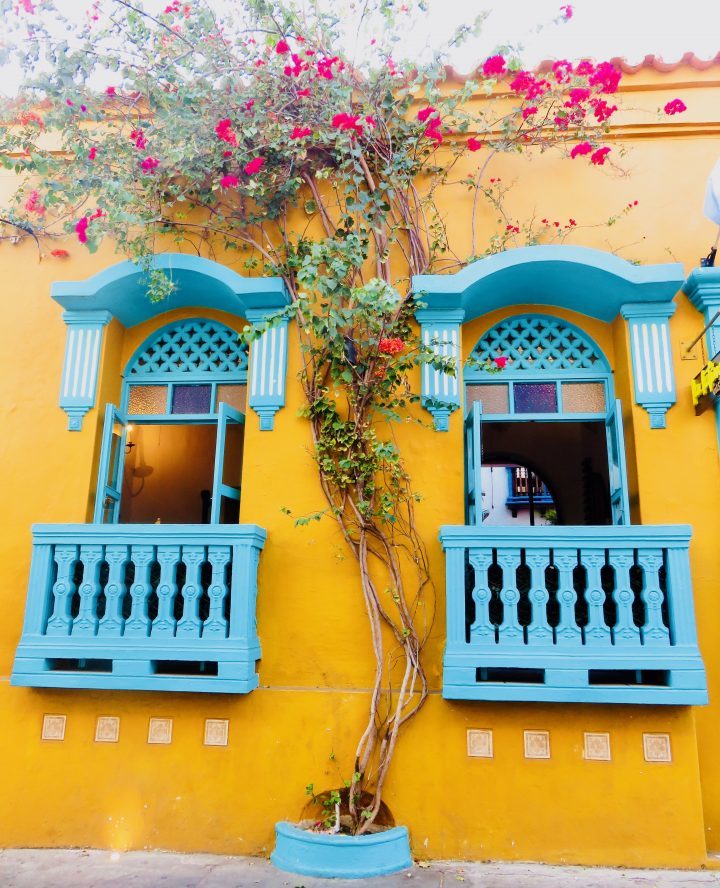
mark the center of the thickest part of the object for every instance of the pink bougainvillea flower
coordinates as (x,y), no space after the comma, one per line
(282,47)
(581,148)
(677,106)
(59,254)
(432,131)
(500,361)
(474,144)
(494,66)
(229,182)
(69,103)
(567,11)
(249,104)
(92,153)
(528,112)
(149,164)
(324,67)
(225,132)
(349,123)
(81,227)
(391,346)
(303,92)
(110,91)
(562,69)
(97,214)
(576,96)
(227,154)
(602,110)
(300,132)
(254,166)
(26,5)
(598,157)
(423,115)
(138,137)
(34,205)
(606,76)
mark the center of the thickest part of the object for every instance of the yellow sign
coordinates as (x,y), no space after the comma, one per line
(707,382)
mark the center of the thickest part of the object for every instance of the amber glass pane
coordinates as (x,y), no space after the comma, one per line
(583,397)
(147,399)
(234,395)
(494,398)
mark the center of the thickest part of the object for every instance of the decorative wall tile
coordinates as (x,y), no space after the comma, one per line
(160,730)
(597,747)
(107,729)
(479,743)
(537,744)
(53,727)
(657,747)
(216,731)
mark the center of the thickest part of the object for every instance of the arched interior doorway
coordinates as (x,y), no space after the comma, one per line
(552,412)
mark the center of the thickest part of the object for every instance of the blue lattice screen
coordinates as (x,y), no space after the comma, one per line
(537,343)
(192,347)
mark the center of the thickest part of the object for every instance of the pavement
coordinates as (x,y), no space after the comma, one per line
(157,869)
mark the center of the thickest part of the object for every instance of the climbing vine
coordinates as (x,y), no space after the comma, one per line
(268,140)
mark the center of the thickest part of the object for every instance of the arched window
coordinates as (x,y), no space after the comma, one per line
(172,453)
(552,407)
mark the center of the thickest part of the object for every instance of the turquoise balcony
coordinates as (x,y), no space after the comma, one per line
(571,614)
(142,607)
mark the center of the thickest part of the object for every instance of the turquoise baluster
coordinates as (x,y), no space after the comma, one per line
(482,628)
(190,624)
(567,632)
(654,633)
(164,623)
(625,632)
(138,623)
(60,623)
(510,632)
(86,622)
(216,624)
(539,631)
(597,631)
(112,621)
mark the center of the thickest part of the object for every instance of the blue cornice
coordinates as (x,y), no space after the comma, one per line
(580,279)
(121,290)
(702,288)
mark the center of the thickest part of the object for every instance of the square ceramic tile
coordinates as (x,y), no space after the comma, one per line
(216,731)
(657,747)
(107,729)
(537,744)
(480,743)
(53,727)
(597,747)
(160,730)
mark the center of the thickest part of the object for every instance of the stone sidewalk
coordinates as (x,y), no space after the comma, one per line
(141,869)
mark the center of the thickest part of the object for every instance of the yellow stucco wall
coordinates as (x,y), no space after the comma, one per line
(316,668)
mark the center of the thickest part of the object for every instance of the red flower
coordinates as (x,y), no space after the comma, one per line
(300,132)
(598,157)
(562,69)
(494,66)
(528,112)
(581,148)
(225,132)
(348,122)
(391,346)
(254,166)
(677,106)
(303,92)
(81,229)
(602,110)
(500,361)
(229,182)
(282,47)
(149,164)
(474,144)
(432,131)
(33,204)
(110,91)
(92,153)
(423,115)
(138,137)
(60,254)
(97,214)
(576,96)
(69,103)
(567,10)
(606,76)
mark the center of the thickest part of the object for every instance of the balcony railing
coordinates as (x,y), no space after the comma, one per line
(142,607)
(591,614)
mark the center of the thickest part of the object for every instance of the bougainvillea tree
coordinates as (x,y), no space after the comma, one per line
(266,140)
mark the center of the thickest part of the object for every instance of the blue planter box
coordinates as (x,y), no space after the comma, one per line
(339,856)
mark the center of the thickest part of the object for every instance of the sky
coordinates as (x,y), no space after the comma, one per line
(598,28)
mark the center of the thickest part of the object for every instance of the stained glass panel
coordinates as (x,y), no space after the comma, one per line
(583,397)
(147,400)
(538,397)
(234,395)
(191,399)
(494,398)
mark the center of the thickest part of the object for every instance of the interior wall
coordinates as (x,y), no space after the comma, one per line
(558,452)
(165,471)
